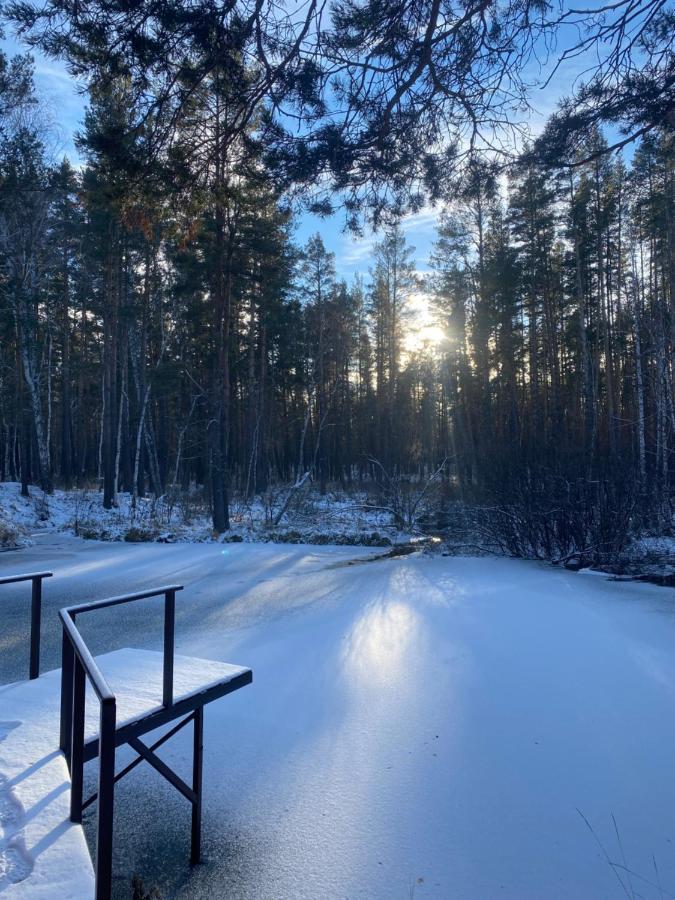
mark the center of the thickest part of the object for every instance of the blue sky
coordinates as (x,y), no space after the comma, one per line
(66,106)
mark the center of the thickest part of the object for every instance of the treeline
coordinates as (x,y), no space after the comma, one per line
(160,330)
(558,293)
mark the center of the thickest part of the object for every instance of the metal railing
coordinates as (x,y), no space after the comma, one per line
(35,615)
(78,665)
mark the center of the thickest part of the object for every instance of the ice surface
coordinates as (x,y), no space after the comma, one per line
(431,718)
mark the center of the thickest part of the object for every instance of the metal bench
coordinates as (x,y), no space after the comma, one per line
(174,688)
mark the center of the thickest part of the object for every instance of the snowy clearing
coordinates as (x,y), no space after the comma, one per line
(335,518)
(424,726)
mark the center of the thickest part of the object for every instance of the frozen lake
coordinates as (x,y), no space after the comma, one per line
(417,727)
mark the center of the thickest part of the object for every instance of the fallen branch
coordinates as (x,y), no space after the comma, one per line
(297,486)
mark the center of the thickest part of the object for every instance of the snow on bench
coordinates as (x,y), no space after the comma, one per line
(42,854)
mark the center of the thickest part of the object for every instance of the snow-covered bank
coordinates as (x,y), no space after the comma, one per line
(422,726)
(650,559)
(332,519)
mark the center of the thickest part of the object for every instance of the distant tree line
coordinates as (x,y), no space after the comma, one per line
(558,293)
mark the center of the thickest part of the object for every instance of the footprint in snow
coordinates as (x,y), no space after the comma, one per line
(15,861)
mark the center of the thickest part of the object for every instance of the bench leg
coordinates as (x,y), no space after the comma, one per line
(77,743)
(197,754)
(35,617)
(67,666)
(106,800)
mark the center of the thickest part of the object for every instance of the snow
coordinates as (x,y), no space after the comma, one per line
(135,677)
(660,546)
(42,854)
(424,726)
(331,519)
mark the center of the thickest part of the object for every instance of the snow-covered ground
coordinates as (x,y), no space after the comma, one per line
(333,518)
(417,727)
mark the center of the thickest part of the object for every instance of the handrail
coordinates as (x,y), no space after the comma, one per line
(35,615)
(77,665)
(122,598)
(100,685)
(11,579)
(98,682)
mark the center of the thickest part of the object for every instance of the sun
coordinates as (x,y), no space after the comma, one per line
(422,331)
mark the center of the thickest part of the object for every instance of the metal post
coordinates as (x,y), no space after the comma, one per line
(197,756)
(67,663)
(106,801)
(35,616)
(77,743)
(169,630)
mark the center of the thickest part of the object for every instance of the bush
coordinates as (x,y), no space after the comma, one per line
(93,534)
(327,538)
(91,530)
(137,535)
(553,518)
(9,536)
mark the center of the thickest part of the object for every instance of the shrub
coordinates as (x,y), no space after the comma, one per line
(137,535)
(554,518)
(9,536)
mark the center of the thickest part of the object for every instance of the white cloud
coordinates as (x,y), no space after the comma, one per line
(423,221)
(354,251)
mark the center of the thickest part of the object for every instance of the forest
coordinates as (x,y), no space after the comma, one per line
(162,329)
